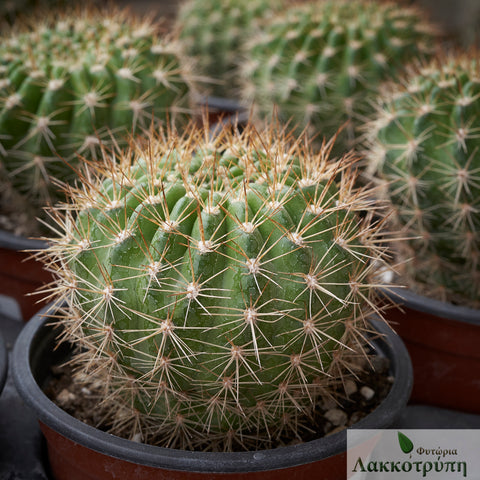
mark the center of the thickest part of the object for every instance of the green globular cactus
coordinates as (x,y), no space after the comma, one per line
(74,80)
(217,286)
(212,33)
(322,63)
(424,142)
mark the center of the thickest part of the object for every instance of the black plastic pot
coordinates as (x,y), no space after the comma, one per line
(20,274)
(223,111)
(80,452)
(16,242)
(443,341)
(3,363)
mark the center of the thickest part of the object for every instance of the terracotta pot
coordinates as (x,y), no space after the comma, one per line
(79,452)
(444,343)
(20,274)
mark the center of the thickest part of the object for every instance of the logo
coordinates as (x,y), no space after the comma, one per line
(405,443)
(413,454)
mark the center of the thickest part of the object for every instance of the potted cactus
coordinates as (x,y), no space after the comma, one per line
(67,83)
(423,146)
(321,63)
(216,289)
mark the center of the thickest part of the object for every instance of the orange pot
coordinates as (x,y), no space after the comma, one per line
(443,341)
(20,274)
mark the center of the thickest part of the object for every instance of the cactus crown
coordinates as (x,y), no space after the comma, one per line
(69,81)
(218,285)
(321,63)
(424,143)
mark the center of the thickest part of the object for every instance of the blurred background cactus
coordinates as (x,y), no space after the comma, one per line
(217,287)
(213,32)
(424,142)
(72,80)
(322,63)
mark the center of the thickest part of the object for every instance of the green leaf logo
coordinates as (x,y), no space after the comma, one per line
(405,443)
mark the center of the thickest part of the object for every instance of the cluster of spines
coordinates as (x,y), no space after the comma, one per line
(77,79)
(423,141)
(322,63)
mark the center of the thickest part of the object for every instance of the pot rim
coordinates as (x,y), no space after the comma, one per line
(3,363)
(11,241)
(415,301)
(225,104)
(212,462)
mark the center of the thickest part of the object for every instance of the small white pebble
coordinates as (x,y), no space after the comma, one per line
(65,397)
(137,438)
(336,416)
(350,387)
(367,393)
(86,391)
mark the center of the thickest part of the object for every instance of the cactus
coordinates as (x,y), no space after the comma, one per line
(322,63)
(217,285)
(424,142)
(212,33)
(70,81)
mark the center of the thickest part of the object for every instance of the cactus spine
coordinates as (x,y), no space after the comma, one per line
(69,82)
(424,142)
(217,285)
(322,63)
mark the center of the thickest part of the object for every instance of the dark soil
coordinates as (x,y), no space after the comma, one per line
(358,397)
